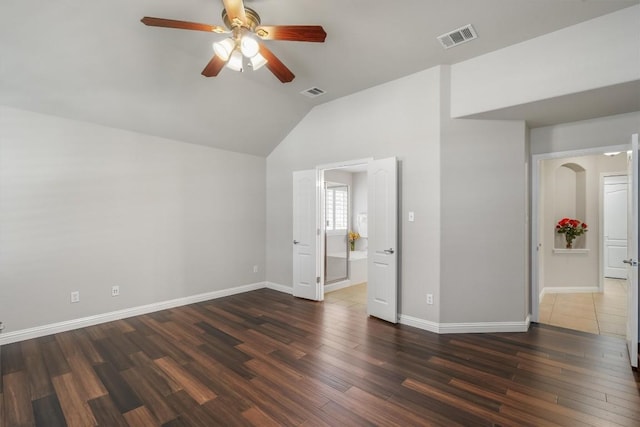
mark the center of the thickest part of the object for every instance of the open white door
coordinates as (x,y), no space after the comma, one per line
(382,287)
(305,194)
(632,253)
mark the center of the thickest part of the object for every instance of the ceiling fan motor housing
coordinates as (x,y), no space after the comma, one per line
(253,20)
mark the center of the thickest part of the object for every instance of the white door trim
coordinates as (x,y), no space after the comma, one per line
(632,253)
(535,214)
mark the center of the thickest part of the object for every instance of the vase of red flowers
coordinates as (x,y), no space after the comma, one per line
(571,228)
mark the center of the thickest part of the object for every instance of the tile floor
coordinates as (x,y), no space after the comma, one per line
(598,313)
(352,296)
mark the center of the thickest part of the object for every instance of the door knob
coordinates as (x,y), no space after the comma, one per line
(388,251)
(295,242)
(631,262)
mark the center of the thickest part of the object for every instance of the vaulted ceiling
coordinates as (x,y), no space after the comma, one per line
(94,61)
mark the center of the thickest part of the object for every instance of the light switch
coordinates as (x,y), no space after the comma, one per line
(411,217)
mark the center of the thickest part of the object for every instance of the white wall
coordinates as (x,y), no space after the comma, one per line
(484,219)
(85,207)
(600,132)
(598,53)
(360,203)
(399,118)
(464,179)
(573,269)
(338,176)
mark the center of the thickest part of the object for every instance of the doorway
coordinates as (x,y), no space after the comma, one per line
(345,233)
(576,288)
(380,220)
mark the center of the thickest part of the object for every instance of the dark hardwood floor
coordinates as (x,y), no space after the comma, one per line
(267,359)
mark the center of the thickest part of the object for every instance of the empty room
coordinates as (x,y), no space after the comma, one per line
(283,213)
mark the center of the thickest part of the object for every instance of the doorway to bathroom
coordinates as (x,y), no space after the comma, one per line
(345,233)
(378,257)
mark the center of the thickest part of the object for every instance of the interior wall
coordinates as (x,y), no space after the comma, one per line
(399,118)
(594,133)
(484,218)
(360,203)
(603,52)
(575,269)
(339,176)
(85,207)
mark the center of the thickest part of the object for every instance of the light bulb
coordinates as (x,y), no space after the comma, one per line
(258,61)
(235,62)
(224,48)
(249,46)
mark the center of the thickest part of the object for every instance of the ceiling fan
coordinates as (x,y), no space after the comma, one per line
(244,26)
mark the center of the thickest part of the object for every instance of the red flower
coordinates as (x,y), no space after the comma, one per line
(571,228)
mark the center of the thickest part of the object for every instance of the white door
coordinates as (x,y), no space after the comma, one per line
(305,197)
(382,292)
(632,253)
(615,226)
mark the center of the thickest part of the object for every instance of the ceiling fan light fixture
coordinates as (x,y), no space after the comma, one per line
(258,61)
(235,61)
(224,48)
(249,46)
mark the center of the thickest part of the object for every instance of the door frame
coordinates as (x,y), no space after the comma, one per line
(320,169)
(604,175)
(536,244)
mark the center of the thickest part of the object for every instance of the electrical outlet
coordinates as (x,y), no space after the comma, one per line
(1,326)
(255,268)
(115,291)
(75,296)
(430,299)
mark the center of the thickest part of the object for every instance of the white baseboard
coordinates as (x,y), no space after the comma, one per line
(568,290)
(439,328)
(466,328)
(419,323)
(54,328)
(338,285)
(280,288)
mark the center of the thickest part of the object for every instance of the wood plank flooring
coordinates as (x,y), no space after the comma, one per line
(267,359)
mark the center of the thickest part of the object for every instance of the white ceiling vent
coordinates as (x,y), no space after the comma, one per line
(313,92)
(456,37)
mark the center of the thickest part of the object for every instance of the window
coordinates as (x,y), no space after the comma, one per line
(337,208)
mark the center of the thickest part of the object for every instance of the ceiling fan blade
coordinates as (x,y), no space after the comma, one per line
(182,25)
(301,33)
(213,67)
(276,66)
(235,9)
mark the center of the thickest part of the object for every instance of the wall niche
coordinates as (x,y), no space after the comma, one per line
(570,200)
